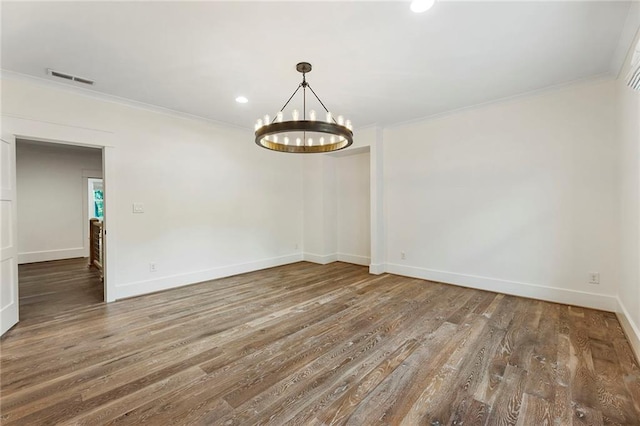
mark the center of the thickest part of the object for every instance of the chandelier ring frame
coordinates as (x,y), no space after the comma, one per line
(333,129)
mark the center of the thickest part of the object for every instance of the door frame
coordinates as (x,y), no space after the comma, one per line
(42,131)
(107,168)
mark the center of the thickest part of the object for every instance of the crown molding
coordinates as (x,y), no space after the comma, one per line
(599,78)
(103,97)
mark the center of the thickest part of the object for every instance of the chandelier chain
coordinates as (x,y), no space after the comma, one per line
(291,97)
(319,100)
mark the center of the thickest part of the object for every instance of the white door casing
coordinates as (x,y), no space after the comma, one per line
(45,131)
(8,234)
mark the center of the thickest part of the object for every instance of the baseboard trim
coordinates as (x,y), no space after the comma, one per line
(354,258)
(138,288)
(630,328)
(551,294)
(47,255)
(377,268)
(322,259)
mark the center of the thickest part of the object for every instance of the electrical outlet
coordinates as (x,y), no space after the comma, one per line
(594,278)
(153,267)
(296,247)
(403,256)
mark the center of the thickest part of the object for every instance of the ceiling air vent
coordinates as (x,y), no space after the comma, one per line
(633,79)
(70,77)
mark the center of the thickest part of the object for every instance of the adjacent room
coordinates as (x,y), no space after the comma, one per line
(313,213)
(57,211)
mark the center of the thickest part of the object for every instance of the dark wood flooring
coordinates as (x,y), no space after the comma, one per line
(50,288)
(307,344)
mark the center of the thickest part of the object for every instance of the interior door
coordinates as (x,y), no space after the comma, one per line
(8,234)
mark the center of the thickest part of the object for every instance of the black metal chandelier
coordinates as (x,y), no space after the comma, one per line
(308,135)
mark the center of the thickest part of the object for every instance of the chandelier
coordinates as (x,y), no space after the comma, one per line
(307,135)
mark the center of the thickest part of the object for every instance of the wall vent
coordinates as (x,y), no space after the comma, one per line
(70,77)
(633,79)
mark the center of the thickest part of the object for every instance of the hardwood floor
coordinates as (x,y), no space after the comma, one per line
(49,288)
(310,344)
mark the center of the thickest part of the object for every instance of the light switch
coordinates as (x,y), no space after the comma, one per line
(138,208)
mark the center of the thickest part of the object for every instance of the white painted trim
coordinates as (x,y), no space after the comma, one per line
(348,152)
(47,255)
(534,291)
(42,131)
(377,206)
(323,259)
(595,79)
(319,258)
(337,257)
(377,269)
(109,228)
(104,97)
(173,281)
(36,130)
(354,258)
(630,328)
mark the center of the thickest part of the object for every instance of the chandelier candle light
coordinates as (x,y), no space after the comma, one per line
(309,135)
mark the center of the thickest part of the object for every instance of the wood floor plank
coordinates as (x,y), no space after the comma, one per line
(562,410)
(307,344)
(326,383)
(402,387)
(534,411)
(114,408)
(470,373)
(507,409)
(411,328)
(341,408)
(329,390)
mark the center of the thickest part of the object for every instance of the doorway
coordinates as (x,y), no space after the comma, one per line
(353,223)
(59,188)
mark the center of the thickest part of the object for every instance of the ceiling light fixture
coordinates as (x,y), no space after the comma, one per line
(242,100)
(309,135)
(419,6)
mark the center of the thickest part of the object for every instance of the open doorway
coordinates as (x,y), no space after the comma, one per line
(353,205)
(59,189)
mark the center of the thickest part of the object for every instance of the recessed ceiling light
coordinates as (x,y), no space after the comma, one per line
(419,6)
(242,100)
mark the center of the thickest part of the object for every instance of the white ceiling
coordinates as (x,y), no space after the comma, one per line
(376,62)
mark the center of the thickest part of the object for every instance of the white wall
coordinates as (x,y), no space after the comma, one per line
(519,197)
(629,134)
(51,192)
(215,204)
(353,208)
